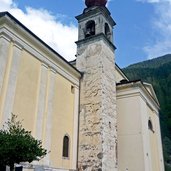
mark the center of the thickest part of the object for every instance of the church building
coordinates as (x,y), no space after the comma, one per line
(87,112)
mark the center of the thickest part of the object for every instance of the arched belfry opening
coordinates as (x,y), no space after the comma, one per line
(90,28)
(95,22)
(107,31)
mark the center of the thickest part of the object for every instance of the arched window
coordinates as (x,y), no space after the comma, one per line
(65,146)
(107,31)
(90,28)
(150,125)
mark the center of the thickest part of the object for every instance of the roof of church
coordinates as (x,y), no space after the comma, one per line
(121,71)
(141,84)
(6,13)
(128,82)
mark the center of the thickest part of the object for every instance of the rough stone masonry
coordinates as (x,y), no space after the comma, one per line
(98,132)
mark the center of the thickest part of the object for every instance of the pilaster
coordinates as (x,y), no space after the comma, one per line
(4,50)
(41,101)
(75,129)
(10,80)
(47,127)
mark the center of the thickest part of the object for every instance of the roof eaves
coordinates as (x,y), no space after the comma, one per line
(128,82)
(122,71)
(133,82)
(6,13)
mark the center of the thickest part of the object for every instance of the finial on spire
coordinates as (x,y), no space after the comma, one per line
(91,3)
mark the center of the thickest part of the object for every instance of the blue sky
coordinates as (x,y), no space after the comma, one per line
(143,29)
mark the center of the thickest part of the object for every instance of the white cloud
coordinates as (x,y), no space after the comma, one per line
(149,1)
(155,1)
(6,5)
(162,28)
(59,36)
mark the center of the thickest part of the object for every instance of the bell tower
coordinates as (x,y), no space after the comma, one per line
(95,59)
(95,20)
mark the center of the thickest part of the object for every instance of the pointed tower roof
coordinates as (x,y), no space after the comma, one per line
(91,3)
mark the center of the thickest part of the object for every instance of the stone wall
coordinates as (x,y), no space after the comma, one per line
(97,134)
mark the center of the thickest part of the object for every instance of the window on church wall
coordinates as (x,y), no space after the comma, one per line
(72,89)
(107,31)
(90,28)
(65,153)
(150,126)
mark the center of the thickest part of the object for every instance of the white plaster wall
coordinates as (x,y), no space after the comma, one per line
(139,148)
(145,135)
(158,138)
(130,142)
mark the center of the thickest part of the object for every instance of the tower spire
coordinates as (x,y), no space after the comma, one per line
(90,3)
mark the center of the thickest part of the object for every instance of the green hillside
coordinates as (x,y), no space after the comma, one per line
(158,72)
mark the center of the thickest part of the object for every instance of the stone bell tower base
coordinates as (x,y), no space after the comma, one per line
(98,137)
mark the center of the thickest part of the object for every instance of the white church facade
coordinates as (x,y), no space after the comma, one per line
(87,113)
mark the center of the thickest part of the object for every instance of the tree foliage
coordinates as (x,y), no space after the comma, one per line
(18,145)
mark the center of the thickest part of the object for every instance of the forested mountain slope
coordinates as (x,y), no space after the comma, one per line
(157,72)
